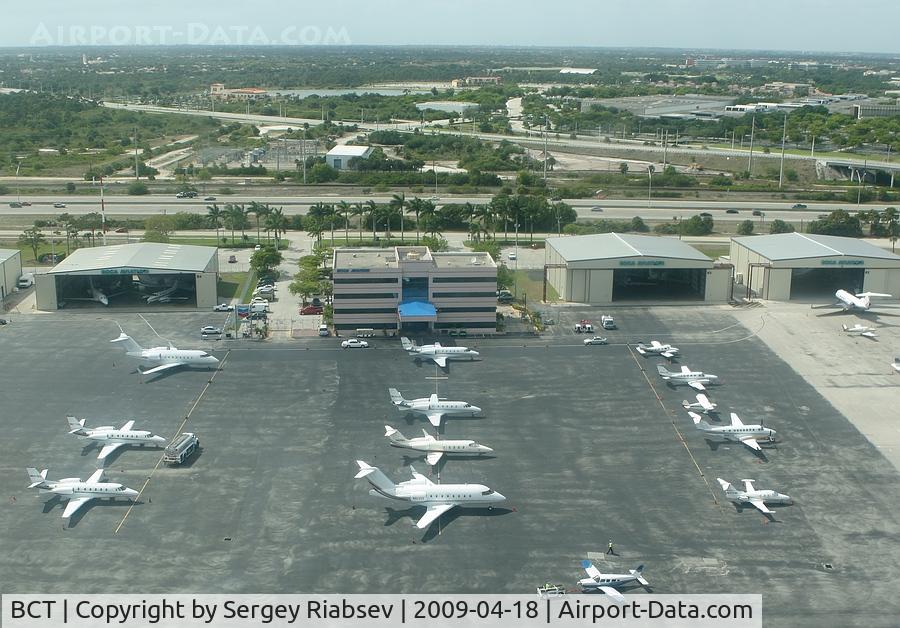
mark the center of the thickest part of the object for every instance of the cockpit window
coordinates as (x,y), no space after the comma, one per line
(490,491)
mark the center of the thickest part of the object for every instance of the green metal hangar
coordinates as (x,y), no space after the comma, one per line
(611,267)
(132,275)
(789,266)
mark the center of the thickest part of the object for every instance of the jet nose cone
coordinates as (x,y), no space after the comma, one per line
(486,449)
(476,410)
(158,439)
(500,497)
(475,352)
(130,492)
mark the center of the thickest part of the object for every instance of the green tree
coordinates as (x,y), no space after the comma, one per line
(623,168)
(32,238)
(276,221)
(398,206)
(358,211)
(214,215)
(837,223)
(138,188)
(745,228)
(158,228)
(70,187)
(265,260)
(891,220)
(343,210)
(780,226)
(638,225)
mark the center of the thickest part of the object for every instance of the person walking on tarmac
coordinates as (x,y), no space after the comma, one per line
(609,549)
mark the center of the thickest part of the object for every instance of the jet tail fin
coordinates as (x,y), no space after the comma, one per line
(130,345)
(395,435)
(637,573)
(76,426)
(38,480)
(699,423)
(375,477)
(408,344)
(396,398)
(662,370)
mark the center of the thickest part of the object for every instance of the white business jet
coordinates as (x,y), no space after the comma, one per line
(163,358)
(437,352)
(860,330)
(703,404)
(694,379)
(757,498)
(607,582)
(77,492)
(737,431)
(432,407)
(657,348)
(435,449)
(113,438)
(437,498)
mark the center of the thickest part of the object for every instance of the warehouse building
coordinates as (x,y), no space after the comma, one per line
(10,271)
(132,275)
(410,288)
(341,155)
(788,266)
(611,267)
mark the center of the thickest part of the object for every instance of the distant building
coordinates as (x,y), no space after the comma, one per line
(339,157)
(10,271)
(476,81)
(217,90)
(584,71)
(875,110)
(785,89)
(412,289)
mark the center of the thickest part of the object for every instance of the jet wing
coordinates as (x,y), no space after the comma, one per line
(440,360)
(760,506)
(108,449)
(705,403)
(433,457)
(435,417)
(750,442)
(655,344)
(696,385)
(95,477)
(618,597)
(748,486)
(74,505)
(736,420)
(667,354)
(685,369)
(127,426)
(432,514)
(640,350)
(162,367)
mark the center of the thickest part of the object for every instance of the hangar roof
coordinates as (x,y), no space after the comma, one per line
(5,254)
(149,255)
(615,245)
(788,246)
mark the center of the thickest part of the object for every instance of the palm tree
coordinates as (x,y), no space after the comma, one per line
(430,218)
(276,221)
(315,228)
(388,211)
(236,218)
(358,212)
(373,212)
(398,205)
(343,210)
(214,214)
(415,206)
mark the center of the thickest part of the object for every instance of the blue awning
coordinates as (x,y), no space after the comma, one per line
(418,310)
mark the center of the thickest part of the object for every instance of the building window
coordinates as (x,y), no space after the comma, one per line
(449,295)
(369,325)
(366,310)
(344,296)
(481,325)
(489,279)
(350,280)
(415,288)
(446,310)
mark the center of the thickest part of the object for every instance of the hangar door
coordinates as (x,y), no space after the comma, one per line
(658,284)
(126,290)
(824,282)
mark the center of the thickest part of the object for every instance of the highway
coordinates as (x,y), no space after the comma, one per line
(659,209)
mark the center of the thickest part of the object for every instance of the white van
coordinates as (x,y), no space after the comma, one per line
(25,281)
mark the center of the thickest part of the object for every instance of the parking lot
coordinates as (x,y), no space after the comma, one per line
(590,445)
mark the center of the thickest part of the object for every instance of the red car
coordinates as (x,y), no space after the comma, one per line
(311,309)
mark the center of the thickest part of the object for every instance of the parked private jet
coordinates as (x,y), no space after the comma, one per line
(437,352)
(858,302)
(737,431)
(77,492)
(757,498)
(432,407)
(860,330)
(607,582)
(437,498)
(435,449)
(657,348)
(97,295)
(113,438)
(694,379)
(163,358)
(703,404)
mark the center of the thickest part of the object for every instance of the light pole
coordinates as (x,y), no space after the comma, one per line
(650,170)
(516,265)
(18,165)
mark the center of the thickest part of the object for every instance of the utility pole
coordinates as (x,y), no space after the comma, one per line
(649,185)
(750,158)
(102,213)
(137,172)
(545,148)
(434,167)
(732,139)
(303,153)
(666,149)
(783,136)
(812,151)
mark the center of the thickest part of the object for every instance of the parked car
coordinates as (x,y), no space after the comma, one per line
(232,259)
(323,330)
(354,343)
(511,256)
(756,212)
(258,247)
(311,309)
(799,206)
(58,205)
(210,330)
(596,340)
(259,300)
(223,307)
(317,301)
(731,211)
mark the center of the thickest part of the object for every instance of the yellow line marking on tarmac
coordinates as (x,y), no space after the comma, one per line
(681,438)
(177,432)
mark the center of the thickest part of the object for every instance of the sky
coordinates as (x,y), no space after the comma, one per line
(808,25)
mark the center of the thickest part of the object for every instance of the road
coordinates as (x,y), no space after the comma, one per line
(659,209)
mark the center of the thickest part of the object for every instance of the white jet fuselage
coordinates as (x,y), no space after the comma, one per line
(125,437)
(74,488)
(165,355)
(427,444)
(426,406)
